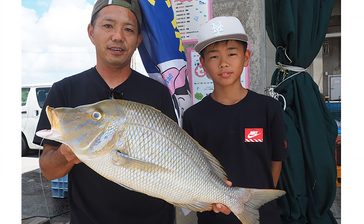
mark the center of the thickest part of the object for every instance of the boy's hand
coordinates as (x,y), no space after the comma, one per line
(217,208)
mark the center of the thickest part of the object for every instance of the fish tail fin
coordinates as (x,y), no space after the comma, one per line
(250,200)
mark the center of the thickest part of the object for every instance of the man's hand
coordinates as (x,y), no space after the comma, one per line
(68,154)
(56,161)
(217,208)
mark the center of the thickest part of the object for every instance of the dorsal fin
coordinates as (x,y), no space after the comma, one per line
(215,164)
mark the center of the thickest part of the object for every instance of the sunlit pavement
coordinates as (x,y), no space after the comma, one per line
(29,164)
(38,205)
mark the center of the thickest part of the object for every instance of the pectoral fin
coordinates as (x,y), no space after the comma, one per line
(122,158)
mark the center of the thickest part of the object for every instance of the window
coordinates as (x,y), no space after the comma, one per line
(24,95)
(42,95)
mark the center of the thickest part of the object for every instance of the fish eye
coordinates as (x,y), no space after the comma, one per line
(96,115)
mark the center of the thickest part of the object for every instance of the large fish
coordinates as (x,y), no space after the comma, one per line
(141,149)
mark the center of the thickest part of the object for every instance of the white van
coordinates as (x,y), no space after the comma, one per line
(32,100)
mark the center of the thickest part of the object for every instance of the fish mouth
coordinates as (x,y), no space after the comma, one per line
(49,134)
(50,115)
(52,134)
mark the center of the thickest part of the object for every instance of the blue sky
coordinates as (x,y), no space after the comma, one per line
(41,6)
(54,40)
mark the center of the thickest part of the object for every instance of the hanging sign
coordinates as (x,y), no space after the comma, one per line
(190,15)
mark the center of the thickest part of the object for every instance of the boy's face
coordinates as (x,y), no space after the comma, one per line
(224,61)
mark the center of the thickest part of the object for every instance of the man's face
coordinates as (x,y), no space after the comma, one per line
(224,62)
(115,36)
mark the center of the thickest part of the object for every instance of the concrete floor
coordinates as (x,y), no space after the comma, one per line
(38,206)
(336,206)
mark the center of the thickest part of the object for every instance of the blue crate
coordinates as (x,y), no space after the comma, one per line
(59,187)
(333,107)
(335,110)
(59,193)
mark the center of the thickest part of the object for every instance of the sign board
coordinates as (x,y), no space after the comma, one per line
(190,15)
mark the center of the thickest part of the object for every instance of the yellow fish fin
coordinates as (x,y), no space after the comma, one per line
(121,158)
(196,206)
(215,164)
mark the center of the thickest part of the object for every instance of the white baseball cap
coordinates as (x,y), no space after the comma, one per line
(218,29)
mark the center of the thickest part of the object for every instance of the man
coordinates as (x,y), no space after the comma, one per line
(115,31)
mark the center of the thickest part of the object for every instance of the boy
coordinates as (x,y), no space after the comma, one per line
(242,129)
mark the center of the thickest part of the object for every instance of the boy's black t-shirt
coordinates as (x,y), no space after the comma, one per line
(94,199)
(245,137)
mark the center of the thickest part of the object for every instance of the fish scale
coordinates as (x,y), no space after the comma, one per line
(141,149)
